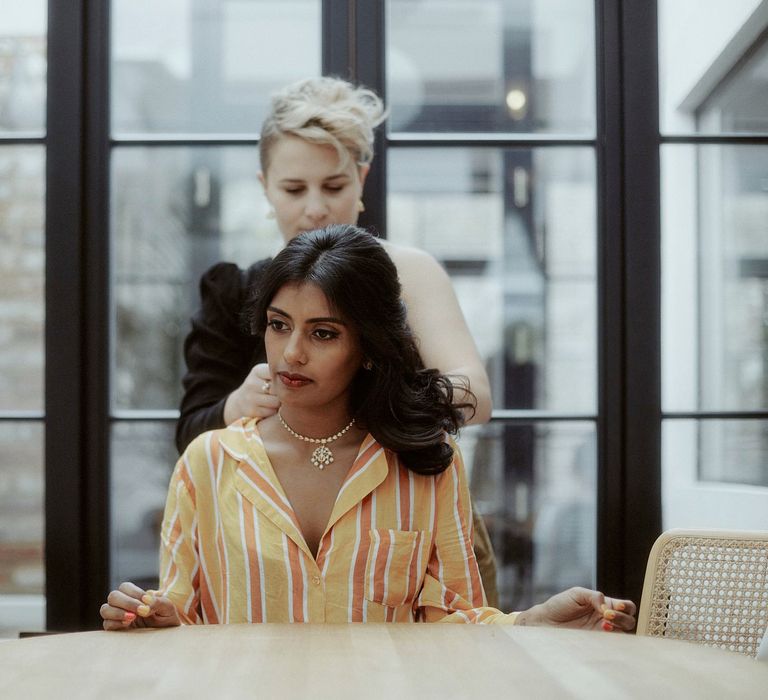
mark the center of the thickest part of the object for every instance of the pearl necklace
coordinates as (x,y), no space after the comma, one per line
(322,456)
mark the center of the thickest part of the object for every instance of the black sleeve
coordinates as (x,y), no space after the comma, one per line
(219,351)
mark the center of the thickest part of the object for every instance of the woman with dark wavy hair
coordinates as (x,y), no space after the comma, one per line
(405,407)
(350,504)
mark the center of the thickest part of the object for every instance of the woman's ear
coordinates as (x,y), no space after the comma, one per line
(262,179)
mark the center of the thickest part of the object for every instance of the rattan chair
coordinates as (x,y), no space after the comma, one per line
(709,587)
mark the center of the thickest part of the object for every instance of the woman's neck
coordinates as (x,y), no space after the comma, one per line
(316,422)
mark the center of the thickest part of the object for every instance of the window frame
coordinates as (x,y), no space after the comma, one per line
(77,315)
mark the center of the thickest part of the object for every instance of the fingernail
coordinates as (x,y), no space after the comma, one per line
(609,614)
(620,606)
(603,607)
(129,617)
(607,626)
(143,610)
(148,598)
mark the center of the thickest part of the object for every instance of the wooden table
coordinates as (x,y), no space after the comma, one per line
(371,661)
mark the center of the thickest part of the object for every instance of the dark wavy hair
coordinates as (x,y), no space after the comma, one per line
(405,406)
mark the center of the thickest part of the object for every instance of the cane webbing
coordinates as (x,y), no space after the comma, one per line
(709,587)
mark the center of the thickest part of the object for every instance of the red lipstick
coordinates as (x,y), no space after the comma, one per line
(293,381)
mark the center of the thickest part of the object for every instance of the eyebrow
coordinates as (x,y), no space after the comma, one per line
(318,319)
(298,180)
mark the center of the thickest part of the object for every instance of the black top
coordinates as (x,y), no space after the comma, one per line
(219,350)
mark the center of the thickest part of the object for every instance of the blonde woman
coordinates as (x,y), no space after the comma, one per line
(316,149)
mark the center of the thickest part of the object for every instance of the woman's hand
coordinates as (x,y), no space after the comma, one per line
(252,398)
(130,606)
(581,608)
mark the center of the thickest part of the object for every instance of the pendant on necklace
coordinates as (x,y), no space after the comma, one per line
(322,457)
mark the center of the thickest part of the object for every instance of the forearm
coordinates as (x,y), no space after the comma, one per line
(479,396)
(452,590)
(442,335)
(179,559)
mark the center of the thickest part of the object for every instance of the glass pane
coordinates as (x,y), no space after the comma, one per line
(22,528)
(207,65)
(491,65)
(713,66)
(516,230)
(143,457)
(22,271)
(534,485)
(715,474)
(23,65)
(734,451)
(176,211)
(715,277)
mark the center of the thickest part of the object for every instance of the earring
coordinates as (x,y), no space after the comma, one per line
(360,206)
(270,213)
(368,365)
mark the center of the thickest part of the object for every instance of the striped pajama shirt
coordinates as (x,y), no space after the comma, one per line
(397,548)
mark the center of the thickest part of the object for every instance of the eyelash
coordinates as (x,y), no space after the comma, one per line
(335,189)
(322,334)
(329,334)
(276,324)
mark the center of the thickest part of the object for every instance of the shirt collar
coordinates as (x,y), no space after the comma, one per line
(256,479)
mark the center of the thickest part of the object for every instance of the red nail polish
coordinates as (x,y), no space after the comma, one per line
(129,617)
(607,626)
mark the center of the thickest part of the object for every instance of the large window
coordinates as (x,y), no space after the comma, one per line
(537,148)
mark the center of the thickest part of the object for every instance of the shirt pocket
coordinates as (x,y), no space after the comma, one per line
(394,570)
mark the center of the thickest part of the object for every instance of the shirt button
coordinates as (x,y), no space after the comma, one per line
(316,580)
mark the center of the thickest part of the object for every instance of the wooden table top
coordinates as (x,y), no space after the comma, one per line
(371,661)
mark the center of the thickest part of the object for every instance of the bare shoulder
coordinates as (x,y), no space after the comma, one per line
(413,263)
(406,253)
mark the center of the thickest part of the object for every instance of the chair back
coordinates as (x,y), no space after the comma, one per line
(709,587)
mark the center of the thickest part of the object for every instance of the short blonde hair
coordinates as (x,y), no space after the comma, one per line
(326,111)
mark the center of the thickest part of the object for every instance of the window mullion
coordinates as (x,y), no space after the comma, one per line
(368,40)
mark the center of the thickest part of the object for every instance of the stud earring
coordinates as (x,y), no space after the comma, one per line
(368,365)
(360,206)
